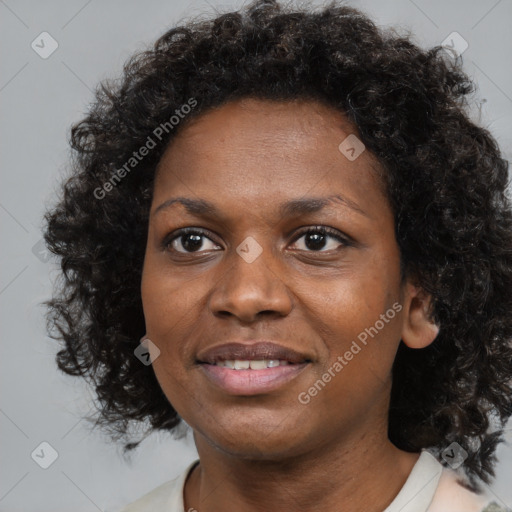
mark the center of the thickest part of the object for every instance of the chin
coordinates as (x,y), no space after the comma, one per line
(257,439)
(249,450)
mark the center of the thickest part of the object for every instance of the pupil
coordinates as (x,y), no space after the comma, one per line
(191,246)
(315,240)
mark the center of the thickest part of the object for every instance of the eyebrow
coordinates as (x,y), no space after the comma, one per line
(293,207)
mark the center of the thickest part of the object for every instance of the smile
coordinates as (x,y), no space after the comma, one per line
(261,364)
(251,377)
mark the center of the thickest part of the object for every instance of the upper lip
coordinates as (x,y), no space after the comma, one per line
(251,351)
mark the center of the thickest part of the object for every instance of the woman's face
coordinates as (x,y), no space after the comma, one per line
(259,269)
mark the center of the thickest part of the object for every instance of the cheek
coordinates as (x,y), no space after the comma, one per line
(167,299)
(352,303)
(170,311)
(361,332)
(167,311)
(358,317)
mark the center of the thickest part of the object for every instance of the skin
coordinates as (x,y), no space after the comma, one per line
(269,451)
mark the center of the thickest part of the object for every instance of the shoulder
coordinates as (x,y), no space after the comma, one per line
(452,496)
(166,497)
(156,500)
(494,507)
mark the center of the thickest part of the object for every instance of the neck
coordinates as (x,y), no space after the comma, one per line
(364,473)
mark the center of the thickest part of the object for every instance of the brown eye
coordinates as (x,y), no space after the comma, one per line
(321,239)
(189,241)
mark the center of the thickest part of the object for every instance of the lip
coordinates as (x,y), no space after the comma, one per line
(251,382)
(251,350)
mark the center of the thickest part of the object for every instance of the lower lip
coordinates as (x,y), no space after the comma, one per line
(251,382)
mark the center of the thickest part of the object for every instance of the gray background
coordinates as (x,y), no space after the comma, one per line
(39,100)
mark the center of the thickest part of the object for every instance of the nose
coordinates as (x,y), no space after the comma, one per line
(250,290)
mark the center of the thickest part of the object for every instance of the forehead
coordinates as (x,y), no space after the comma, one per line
(254,147)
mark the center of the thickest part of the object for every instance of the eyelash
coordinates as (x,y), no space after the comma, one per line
(310,229)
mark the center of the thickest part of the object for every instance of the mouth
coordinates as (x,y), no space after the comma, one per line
(251,369)
(251,364)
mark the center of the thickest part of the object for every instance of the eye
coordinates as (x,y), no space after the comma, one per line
(316,239)
(190,240)
(321,239)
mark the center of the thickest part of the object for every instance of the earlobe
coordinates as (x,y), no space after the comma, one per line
(418,330)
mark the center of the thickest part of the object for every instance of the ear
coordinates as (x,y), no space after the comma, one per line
(418,330)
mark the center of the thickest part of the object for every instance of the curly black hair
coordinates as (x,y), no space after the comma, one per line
(445,178)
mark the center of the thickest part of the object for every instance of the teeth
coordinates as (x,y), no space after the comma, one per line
(260,364)
(257,365)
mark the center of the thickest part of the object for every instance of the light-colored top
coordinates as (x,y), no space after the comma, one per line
(429,488)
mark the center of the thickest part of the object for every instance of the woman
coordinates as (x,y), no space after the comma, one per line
(293,213)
